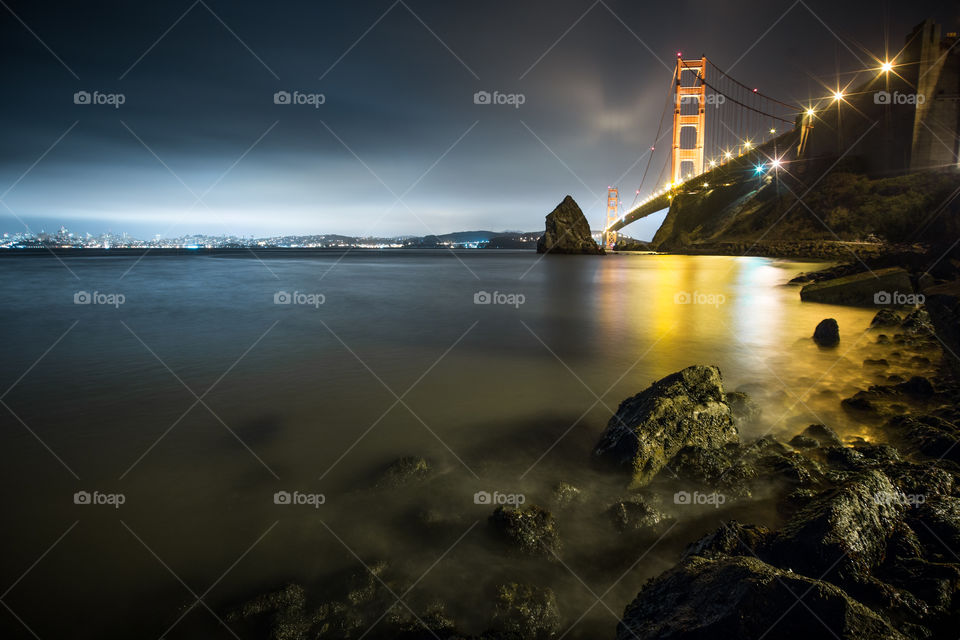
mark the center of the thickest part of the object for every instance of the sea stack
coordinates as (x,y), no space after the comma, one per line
(567,231)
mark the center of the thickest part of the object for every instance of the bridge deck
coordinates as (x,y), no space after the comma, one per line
(735,170)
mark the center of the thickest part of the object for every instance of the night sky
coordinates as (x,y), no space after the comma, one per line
(398,146)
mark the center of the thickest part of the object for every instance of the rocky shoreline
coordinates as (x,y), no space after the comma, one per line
(866,544)
(801,249)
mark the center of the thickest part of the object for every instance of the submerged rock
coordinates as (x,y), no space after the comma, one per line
(885,401)
(814,436)
(823,434)
(635,515)
(886,317)
(565,494)
(404,471)
(729,469)
(917,323)
(687,408)
(744,598)
(532,530)
(745,410)
(827,333)
(290,596)
(567,231)
(523,611)
(928,435)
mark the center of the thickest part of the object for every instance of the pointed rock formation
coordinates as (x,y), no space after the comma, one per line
(567,231)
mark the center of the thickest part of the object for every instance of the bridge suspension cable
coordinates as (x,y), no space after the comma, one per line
(720,117)
(656,139)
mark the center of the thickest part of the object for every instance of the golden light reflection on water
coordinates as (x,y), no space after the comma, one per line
(740,314)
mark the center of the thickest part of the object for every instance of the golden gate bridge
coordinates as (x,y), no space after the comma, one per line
(717,121)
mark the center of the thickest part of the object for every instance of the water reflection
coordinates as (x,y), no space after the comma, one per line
(515,402)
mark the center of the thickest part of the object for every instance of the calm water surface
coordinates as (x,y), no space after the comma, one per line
(303,398)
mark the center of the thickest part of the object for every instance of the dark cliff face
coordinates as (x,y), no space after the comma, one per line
(567,231)
(811,200)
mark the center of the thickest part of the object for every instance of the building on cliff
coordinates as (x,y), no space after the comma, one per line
(905,118)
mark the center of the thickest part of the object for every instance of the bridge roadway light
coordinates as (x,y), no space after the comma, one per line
(838,95)
(810,113)
(886,67)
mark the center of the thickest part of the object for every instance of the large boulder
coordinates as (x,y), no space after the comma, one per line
(861,289)
(567,231)
(744,598)
(843,533)
(684,409)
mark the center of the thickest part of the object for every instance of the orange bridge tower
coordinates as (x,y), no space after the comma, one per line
(613,214)
(689,111)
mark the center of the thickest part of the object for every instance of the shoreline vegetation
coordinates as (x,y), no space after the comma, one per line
(867,524)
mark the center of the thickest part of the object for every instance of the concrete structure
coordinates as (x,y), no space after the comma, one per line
(936,121)
(905,118)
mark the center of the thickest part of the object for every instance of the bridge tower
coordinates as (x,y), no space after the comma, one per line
(684,93)
(613,208)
